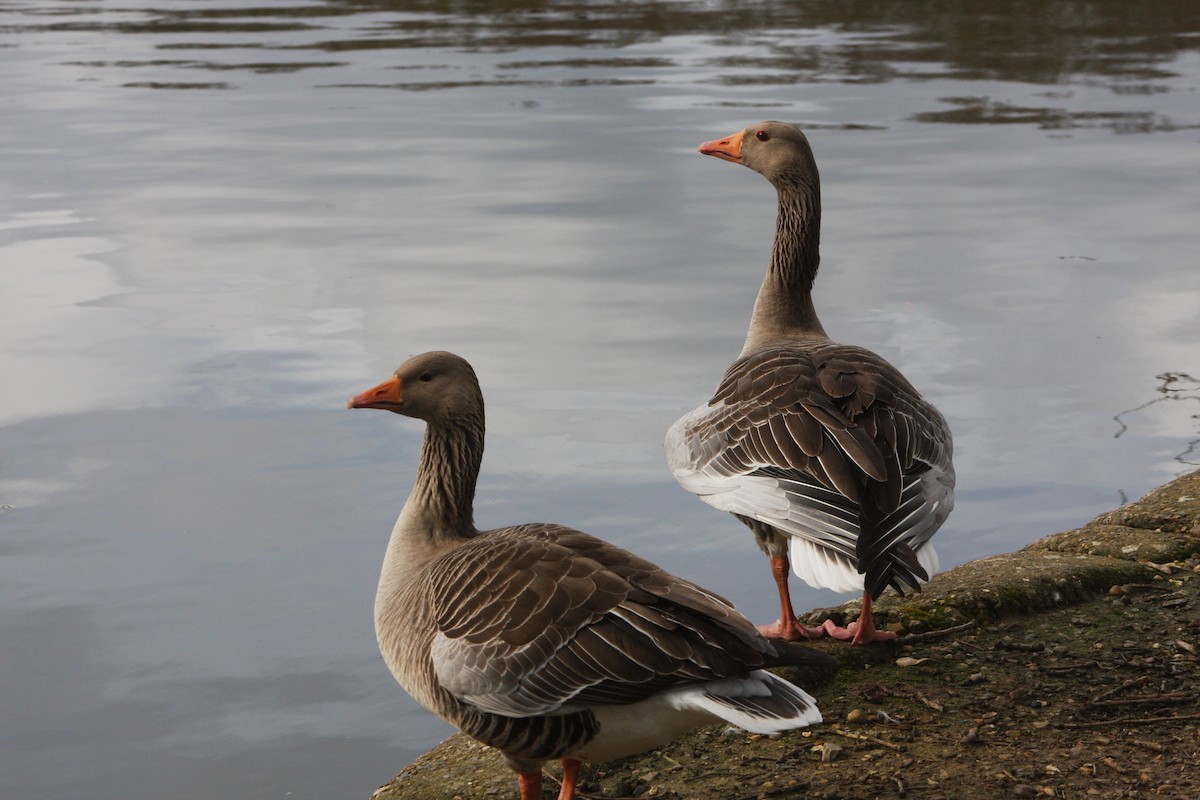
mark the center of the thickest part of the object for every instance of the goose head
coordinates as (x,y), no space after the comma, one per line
(776,150)
(438,387)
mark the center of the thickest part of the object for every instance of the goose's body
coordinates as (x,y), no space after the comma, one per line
(824,450)
(542,641)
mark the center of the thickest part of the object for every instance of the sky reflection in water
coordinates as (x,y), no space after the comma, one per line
(219,221)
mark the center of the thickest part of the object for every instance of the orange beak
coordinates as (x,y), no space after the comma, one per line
(729,148)
(385,396)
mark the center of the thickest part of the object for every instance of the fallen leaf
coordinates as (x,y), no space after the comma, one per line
(934,704)
(909,661)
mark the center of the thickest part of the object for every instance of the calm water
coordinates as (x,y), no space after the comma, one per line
(220,219)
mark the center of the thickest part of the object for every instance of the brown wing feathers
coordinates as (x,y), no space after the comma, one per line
(837,415)
(554,629)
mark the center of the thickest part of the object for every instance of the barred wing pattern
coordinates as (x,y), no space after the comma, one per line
(540,619)
(831,445)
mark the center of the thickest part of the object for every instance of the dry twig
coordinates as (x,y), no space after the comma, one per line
(1126,685)
(1140,701)
(864,738)
(920,638)
(1106,723)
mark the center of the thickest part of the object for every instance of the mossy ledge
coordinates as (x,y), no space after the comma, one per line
(983,605)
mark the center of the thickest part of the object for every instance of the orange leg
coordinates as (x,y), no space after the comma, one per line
(569,779)
(786,627)
(861,632)
(530,785)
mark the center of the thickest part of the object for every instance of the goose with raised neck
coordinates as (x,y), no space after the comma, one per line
(838,466)
(544,642)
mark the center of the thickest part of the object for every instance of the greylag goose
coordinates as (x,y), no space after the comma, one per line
(824,450)
(544,642)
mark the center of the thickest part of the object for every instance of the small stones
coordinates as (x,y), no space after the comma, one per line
(828,750)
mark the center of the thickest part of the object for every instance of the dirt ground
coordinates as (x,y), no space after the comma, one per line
(1068,669)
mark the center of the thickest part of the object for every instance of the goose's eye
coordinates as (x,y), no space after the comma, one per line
(762,136)
(425,376)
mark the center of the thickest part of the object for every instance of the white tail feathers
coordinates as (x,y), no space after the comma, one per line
(821,568)
(759,703)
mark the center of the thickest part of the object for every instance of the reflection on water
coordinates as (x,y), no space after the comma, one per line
(192,282)
(1087,45)
(1176,387)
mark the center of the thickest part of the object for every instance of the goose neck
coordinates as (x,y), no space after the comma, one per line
(438,514)
(444,490)
(784,306)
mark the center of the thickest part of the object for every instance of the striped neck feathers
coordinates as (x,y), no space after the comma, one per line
(444,491)
(784,306)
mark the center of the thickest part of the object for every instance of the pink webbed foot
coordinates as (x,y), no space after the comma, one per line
(856,633)
(861,632)
(790,632)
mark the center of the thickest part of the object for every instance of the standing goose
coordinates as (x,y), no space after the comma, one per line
(824,450)
(544,642)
